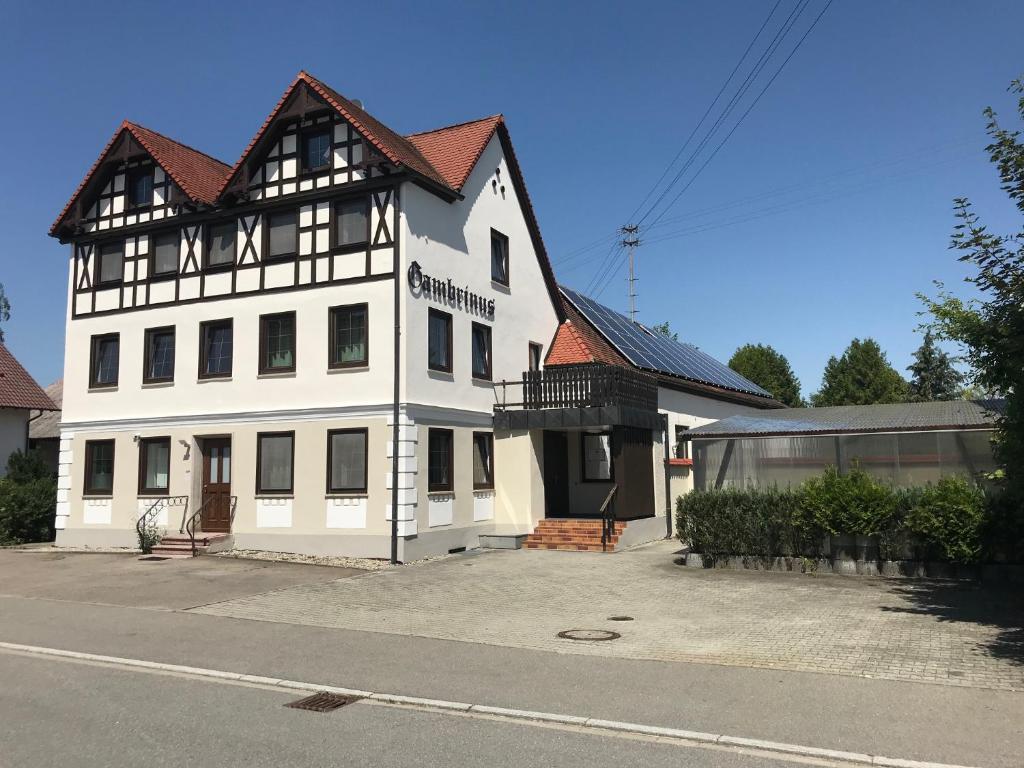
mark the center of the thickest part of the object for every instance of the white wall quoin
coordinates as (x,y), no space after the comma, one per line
(346,512)
(64,481)
(273,513)
(407,473)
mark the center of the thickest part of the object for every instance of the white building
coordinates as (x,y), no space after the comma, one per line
(282,348)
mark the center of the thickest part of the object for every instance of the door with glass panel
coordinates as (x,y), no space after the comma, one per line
(216,517)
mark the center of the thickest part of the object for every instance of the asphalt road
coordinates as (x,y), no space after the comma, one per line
(58,713)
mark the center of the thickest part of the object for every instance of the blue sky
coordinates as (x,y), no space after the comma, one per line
(825,212)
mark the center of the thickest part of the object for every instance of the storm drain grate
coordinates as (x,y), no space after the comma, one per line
(322,702)
(620,618)
(153,559)
(593,635)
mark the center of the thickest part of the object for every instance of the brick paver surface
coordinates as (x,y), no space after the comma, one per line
(924,631)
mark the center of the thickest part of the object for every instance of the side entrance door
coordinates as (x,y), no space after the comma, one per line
(216,517)
(556,474)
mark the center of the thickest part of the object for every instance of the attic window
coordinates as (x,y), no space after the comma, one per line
(316,150)
(140,187)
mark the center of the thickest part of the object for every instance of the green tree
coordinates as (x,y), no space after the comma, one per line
(665,330)
(933,376)
(862,376)
(769,369)
(990,329)
(5,310)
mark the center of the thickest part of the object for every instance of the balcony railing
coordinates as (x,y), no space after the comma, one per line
(578,386)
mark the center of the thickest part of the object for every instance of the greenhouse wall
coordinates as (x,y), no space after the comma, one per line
(903,459)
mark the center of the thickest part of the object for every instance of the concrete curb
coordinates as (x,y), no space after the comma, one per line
(511,714)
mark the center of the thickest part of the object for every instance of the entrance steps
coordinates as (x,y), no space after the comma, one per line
(572,535)
(179,545)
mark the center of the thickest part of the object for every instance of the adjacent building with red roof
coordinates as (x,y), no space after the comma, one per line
(20,395)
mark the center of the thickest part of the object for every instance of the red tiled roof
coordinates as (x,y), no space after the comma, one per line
(576,343)
(455,149)
(197,174)
(17,388)
(398,149)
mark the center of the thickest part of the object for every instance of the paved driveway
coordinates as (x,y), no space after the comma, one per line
(932,632)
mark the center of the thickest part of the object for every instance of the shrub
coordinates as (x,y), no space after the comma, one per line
(948,519)
(28,500)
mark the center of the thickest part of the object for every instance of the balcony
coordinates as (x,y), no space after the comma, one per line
(577,396)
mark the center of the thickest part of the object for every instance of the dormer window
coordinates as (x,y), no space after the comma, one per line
(140,187)
(316,150)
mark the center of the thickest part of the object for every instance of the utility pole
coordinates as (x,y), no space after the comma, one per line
(631,241)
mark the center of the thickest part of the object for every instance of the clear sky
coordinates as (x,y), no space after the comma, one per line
(824,213)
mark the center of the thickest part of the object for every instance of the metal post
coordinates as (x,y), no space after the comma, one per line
(631,241)
(395,410)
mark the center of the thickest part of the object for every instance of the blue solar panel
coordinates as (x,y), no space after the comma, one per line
(653,351)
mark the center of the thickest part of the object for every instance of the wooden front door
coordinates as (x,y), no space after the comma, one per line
(216,517)
(556,474)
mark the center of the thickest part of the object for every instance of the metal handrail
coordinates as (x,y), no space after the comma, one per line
(608,518)
(160,503)
(189,526)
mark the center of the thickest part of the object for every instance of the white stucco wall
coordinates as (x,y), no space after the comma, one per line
(13,423)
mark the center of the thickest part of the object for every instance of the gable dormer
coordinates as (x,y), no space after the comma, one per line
(141,176)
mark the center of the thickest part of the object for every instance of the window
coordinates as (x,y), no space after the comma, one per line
(159,355)
(165,254)
(499,257)
(348,342)
(439,341)
(346,461)
(481,351)
(275,454)
(682,446)
(140,187)
(281,237)
(99,467)
(215,337)
(483,460)
(277,343)
(535,356)
(154,465)
(597,457)
(439,464)
(110,266)
(351,222)
(103,362)
(316,150)
(220,250)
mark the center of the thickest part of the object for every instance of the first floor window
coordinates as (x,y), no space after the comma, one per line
(346,461)
(275,452)
(215,343)
(597,457)
(154,465)
(281,238)
(220,251)
(499,257)
(483,460)
(99,467)
(103,364)
(110,264)
(535,356)
(349,336)
(159,355)
(481,351)
(440,460)
(439,341)
(165,254)
(277,343)
(351,222)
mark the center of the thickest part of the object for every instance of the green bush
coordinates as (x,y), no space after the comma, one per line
(28,500)
(953,520)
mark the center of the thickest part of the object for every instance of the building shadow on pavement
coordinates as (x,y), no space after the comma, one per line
(999,607)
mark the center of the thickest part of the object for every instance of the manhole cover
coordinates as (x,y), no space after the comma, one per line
(620,618)
(153,559)
(589,634)
(322,702)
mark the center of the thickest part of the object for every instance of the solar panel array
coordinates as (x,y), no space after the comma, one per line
(653,351)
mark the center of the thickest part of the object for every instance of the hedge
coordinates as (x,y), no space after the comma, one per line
(954,520)
(28,500)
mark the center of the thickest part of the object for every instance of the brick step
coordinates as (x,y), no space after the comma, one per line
(565,547)
(556,539)
(573,527)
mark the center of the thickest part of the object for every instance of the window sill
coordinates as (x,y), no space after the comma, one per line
(213,269)
(277,375)
(484,489)
(344,249)
(440,493)
(281,258)
(158,384)
(109,284)
(351,495)
(500,286)
(152,495)
(483,382)
(97,496)
(162,277)
(104,388)
(274,496)
(210,379)
(434,373)
(348,368)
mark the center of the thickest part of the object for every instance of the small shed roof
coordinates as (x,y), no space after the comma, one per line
(854,419)
(47,423)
